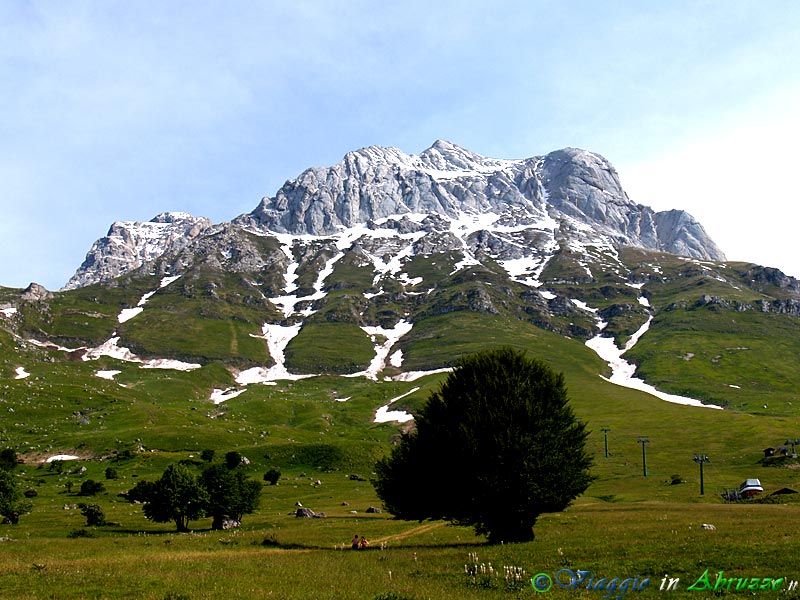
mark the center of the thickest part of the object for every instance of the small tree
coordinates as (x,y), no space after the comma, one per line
(233,459)
(230,493)
(8,459)
(111,473)
(496,446)
(177,496)
(11,503)
(93,513)
(207,455)
(272,476)
(90,487)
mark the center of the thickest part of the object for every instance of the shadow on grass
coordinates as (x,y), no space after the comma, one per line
(345,547)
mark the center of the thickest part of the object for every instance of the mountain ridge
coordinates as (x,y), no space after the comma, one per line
(567,195)
(547,244)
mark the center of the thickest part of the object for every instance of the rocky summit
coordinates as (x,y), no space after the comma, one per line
(446,199)
(570,195)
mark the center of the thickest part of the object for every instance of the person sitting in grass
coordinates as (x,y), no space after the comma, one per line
(354,546)
(363,544)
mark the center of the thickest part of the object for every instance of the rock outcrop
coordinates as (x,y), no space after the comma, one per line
(130,244)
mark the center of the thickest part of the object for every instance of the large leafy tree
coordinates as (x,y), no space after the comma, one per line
(230,493)
(177,496)
(496,446)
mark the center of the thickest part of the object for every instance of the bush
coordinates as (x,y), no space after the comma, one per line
(8,459)
(233,459)
(111,473)
(207,455)
(80,533)
(93,513)
(90,487)
(126,454)
(30,493)
(272,476)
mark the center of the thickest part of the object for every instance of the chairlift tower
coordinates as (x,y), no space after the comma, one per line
(643,441)
(605,431)
(701,459)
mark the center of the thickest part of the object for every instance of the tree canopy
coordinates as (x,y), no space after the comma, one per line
(230,493)
(181,496)
(496,446)
(8,459)
(176,496)
(11,503)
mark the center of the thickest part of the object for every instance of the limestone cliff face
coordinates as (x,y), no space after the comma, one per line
(578,190)
(129,244)
(448,199)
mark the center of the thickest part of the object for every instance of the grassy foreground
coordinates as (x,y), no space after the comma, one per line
(625,525)
(276,555)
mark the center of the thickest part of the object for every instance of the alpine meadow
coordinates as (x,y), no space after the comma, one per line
(439,354)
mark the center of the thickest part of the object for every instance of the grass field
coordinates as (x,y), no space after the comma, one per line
(626,525)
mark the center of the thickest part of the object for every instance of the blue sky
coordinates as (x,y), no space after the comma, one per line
(117,111)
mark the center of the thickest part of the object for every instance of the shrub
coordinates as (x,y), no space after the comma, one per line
(80,533)
(30,493)
(93,513)
(207,455)
(8,459)
(272,476)
(270,540)
(111,473)
(233,459)
(90,487)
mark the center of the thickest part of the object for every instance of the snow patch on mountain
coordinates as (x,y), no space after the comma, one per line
(110,374)
(384,415)
(622,372)
(414,375)
(128,313)
(277,337)
(391,337)
(111,348)
(219,396)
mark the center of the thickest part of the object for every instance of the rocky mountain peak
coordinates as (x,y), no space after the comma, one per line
(501,208)
(36,292)
(574,187)
(130,244)
(446,156)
